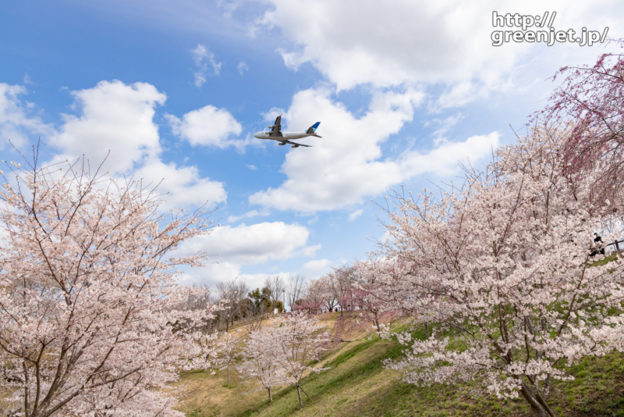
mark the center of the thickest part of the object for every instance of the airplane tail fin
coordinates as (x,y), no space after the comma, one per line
(312,129)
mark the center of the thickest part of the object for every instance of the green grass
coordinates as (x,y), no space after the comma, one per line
(605,260)
(358,385)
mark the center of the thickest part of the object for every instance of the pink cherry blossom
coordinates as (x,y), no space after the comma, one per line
(91,320)
(502,265)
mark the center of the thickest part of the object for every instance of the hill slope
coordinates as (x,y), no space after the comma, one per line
(357,384)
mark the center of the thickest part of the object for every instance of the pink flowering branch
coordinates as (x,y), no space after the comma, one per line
(89,311)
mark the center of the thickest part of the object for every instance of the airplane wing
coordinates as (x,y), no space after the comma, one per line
(276,129)
(294,144)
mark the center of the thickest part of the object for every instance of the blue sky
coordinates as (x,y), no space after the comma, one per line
(174,90)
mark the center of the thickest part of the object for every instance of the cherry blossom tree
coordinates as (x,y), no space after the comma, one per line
(91,321)
(300,339)
(502,265)
(313,298)
(341,285)
(368,291)
(321,295)
(227,350)
(591,101)
(263,359)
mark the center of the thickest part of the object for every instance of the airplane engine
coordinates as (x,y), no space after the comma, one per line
(294,146)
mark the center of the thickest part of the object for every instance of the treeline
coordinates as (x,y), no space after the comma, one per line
(238,302)
(349,288)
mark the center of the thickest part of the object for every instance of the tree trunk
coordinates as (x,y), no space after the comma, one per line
(377,323)
(270,397)
(537,403)
(299,394)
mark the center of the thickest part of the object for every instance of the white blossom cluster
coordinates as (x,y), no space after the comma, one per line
(91,322)
(503,265)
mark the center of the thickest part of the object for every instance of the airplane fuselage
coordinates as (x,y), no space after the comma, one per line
(285,135)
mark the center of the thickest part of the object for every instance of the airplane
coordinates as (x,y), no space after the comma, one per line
(285,137)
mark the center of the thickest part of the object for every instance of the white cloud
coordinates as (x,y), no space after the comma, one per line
(443,126)
(253,244)
(27,80)
(248,215)
(114,117)
(408,41)
(118,118)
(210,274)
(213,273)
(346,164)
(242,68)
(356,42)
(203,58)
(208,126)
(445,159)
(354,215)
(460,94)
(258,280)
(273,113)
(18,121)
(227,249)
(181,186)
(316,268)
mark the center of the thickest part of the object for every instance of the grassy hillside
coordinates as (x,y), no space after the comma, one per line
(358,385)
